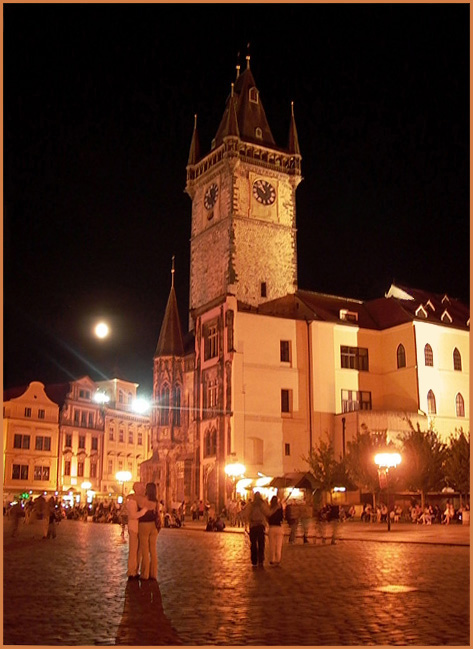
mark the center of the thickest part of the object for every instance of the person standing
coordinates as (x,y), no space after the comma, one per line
(15,513)
(148,534)
(275,532)
(42,513)
(256,513)
(135,512)
(51,516)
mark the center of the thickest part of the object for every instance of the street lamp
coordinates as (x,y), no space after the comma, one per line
(234,471)
(386,461)
(122,477)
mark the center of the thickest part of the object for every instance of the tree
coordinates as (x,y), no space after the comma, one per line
(327,471)
(423,458)
(457,463)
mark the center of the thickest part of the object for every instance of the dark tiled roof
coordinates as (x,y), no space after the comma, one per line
(381,313)
(438,307)
(250,114)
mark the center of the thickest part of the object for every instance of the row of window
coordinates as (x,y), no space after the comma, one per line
(353,400)
(80,469)
(120,466)
(84,418)
(429,358)
(432,404)
(42,443)
(41,413)
(121,436)
(94,444)
(21,471)
(356,358)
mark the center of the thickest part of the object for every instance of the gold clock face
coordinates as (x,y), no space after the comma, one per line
(210,196)
(264,192)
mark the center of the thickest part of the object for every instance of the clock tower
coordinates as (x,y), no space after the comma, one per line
(243,236)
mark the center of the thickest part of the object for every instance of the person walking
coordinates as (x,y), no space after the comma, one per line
(292,517)
(275,532)
(305,517)
(256,514)
(148,526)
(135,512)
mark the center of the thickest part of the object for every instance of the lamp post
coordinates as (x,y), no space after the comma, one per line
(233,471)
(86,486)
(122,477)
(386,461)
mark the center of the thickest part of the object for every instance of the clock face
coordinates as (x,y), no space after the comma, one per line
(210,197)
(264,192)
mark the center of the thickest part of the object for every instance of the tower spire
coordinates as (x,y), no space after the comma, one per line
(170,342)
(194,151)
(293,138)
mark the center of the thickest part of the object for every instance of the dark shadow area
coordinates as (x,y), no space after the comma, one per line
(143,620)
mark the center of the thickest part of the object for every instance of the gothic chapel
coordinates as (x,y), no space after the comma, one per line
(267,369)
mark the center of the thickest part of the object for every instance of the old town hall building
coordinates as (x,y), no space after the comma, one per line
(267,369)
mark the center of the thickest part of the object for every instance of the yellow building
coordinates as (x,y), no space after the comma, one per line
(126,435)
(30,442)
(72,438)
(81,424)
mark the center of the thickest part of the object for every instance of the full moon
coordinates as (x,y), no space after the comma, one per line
(101,330)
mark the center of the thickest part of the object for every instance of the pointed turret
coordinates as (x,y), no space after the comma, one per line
(170,342)
(251,119)
(229,126)
(293,144)
(194,151)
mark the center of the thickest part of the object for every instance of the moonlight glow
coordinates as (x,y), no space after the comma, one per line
(102,330)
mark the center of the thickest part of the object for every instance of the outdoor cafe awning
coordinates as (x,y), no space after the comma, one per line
(294,480)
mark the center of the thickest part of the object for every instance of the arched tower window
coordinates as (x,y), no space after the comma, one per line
(401,356)
(431,404)
(177,406)
(459,405)
(428,356)
(457,360)
(165,406)
(210,442)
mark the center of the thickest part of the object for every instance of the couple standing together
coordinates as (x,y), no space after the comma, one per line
(258,515)
(144,523)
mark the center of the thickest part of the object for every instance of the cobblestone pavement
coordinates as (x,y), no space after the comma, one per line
(73,590)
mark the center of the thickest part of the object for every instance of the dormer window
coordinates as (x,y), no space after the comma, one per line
(254,95)
(445,299)
(421,312)
(446,317)
(430,305)
(259,133)
(349,316)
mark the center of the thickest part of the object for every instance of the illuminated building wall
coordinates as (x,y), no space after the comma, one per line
(30,441)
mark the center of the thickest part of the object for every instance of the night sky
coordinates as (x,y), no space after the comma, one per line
(99,104)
